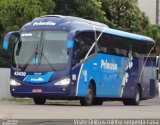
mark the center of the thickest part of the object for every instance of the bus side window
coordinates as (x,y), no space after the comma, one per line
(116,51)
(135,54)
(104,44)
(78,53)
(83,43)
(102,50)
(122,52)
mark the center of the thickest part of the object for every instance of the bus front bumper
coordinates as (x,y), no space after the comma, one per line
(46,90)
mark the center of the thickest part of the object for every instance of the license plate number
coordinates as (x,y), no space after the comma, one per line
(36,90)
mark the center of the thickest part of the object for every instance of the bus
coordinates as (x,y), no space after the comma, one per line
(70,58)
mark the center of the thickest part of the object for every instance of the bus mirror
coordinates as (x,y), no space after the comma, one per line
(7,37)
(70,44)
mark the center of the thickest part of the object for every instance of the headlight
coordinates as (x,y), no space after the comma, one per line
(14,83)
(65,81)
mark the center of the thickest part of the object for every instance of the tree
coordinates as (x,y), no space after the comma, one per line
(47,6)
(125,15)
(119,14)
(88,9)
(153,32)
(15,13)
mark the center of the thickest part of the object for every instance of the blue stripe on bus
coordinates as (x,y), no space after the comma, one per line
(38,78)
(127,35)
(70,44)
(5,44)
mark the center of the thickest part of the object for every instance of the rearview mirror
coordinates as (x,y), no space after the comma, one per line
(70,44)
(7,37)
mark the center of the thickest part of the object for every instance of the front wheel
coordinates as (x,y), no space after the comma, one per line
(97,101)
(135,100)
(39,101)
(88,99)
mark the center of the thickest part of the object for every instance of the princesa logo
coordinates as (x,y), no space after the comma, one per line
(108,65)
(49,23)
(37,79)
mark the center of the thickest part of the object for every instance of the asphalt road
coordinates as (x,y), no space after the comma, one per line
(73,110)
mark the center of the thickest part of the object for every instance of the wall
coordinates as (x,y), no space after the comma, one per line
(4,83)
(149,7)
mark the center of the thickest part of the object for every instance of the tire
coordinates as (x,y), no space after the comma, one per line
(88,99)
(97,101)
(39,101)
(135,100)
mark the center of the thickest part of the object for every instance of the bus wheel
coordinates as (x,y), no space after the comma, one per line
(97,101)
(39,101)
(135,100)
(88,99)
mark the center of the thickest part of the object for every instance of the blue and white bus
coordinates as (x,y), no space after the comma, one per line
(64,57)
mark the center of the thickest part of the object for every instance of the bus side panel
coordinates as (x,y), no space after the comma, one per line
(74,76)
(148,79)
(111,71)
(88,71)
(116,77)
(133,78)
(92,70)
(108,72)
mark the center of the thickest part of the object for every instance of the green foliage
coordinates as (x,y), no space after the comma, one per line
(125,15)
(154,32)
(47,6)
(15,13)
(119,14)
(88,9)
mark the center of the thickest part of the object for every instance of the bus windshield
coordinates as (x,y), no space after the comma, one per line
(45,48)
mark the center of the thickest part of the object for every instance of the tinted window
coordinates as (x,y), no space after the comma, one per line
(83,43)
(121,46)
(141,47)
(113,45)
(104,44)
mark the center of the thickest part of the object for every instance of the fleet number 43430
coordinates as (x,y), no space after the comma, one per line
(20,73)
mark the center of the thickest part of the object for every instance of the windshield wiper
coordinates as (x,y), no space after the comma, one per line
(30,59)
(48,62)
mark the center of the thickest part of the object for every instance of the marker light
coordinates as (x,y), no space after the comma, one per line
(14,83)
(65,81)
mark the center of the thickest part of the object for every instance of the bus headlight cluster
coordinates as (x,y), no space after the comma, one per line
(14,83)
(65,81)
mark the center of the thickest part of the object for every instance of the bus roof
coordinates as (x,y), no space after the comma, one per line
(70,23)
(129,35)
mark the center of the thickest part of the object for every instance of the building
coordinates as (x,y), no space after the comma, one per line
(150,8)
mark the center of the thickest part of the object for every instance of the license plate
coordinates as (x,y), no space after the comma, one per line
(36,90)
